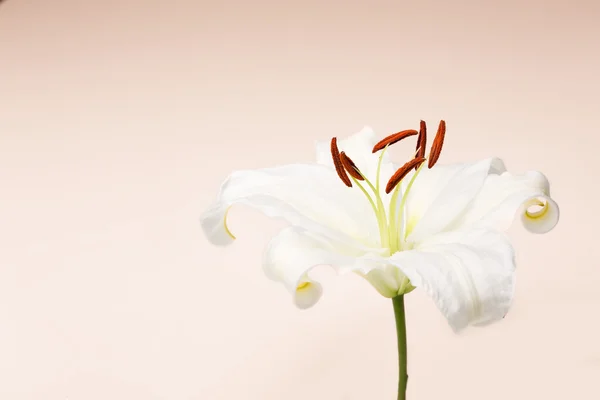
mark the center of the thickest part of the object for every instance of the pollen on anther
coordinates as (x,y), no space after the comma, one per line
(422,140)
(402,172)
(438,142)
(390,140)
(337,162)
(350,167)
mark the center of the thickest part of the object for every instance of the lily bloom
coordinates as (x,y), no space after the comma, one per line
(415,225)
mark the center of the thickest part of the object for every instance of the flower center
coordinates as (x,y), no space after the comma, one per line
(392,227)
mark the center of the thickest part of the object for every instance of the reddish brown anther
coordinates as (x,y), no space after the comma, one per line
(390,140)
(350,167)
(402,172)
(337,162)
(438,142)
(422,140)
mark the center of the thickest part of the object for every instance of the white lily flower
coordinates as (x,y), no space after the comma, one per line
(437,227)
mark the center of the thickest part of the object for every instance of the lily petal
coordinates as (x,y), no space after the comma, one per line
(504,196)
(441,194)
(291,255)
(469,275)
(309,196)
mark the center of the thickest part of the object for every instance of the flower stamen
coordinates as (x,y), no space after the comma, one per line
(396,137)
(337,162)
(350,167)
(438,142)
(362,188)
(381,215)
(403,227)
(344,167)
(402,172)
(422,140)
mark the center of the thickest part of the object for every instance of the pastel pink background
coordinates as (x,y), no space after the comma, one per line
(119,120)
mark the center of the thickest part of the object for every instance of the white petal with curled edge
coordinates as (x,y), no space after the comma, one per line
(441,194)
(359,147)
(469,275)
(292,254)
(311,196)
(507,195)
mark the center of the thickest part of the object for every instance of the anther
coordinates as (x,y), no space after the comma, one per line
(337,162)
(438,142)
(402,172)
(422,140)
(390,140)
(350,167)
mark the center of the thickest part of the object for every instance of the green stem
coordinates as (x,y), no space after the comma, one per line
(402,356)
